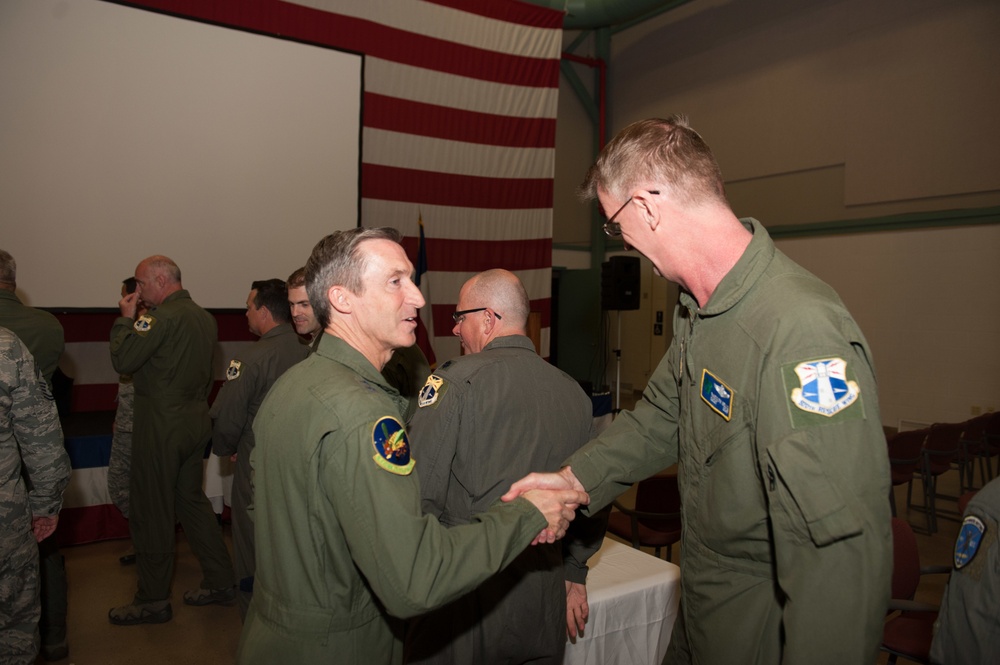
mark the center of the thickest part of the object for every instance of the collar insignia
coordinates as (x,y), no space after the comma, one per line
(717,394)
(967,543)
(823,387)
(392,449)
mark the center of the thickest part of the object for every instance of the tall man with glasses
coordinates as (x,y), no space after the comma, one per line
(484,420)
(343,548)
(767,401)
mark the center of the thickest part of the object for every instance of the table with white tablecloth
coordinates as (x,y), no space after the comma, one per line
(633,600)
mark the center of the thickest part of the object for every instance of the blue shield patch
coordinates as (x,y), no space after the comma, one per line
(823,387)
(967,543)
(392,449)
(717,394)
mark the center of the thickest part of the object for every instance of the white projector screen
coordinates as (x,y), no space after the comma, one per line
(126,133)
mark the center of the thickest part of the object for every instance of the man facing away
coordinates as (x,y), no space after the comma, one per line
(168,352)
(249,376)
(485,420)
(31,446)
(343,549)
(767,401)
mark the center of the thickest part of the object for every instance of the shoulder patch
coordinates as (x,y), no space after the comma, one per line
(969,538)
(431,391)
(144,323)
(717,394)
(233,372)
(392,449)
(821,391)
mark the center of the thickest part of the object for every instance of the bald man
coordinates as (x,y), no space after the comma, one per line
(168,352)
(483,420)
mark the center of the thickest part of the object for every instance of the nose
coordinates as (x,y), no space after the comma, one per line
(414,296)
(454,329)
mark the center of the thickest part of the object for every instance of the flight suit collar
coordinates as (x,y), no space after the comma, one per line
(738,281)
(511,342)
(10,295)
(336,349)
(280,329)
(176,295)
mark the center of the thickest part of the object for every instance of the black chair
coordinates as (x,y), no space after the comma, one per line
(909,629)
(974,449)
(904,459)
(941,449)
(656,519)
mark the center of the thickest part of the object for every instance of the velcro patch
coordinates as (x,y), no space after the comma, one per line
(821,391)
(144,323)
(717,394)
(233,372)
(392,449)
(431,391)
(969,538)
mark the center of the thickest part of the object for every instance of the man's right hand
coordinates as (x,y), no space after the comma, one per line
(558,507)
(562,480)
(128,305)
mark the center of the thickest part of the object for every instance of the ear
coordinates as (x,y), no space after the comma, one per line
(340,299)
(648,207)
(489,322)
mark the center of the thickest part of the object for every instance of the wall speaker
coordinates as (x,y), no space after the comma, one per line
(620,281)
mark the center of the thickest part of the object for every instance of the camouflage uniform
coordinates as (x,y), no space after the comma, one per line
(121,445)
(29,433)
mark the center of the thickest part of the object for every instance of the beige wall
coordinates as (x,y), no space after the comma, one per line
(836,110)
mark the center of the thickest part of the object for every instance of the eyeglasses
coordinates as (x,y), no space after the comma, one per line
(460,315)
(613,229)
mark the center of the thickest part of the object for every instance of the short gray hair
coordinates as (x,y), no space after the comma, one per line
(336,260)
(667,151)
(504,293)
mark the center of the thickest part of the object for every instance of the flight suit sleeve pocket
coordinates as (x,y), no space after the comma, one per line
(800,483)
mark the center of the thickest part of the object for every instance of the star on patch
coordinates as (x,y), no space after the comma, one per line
(233,372)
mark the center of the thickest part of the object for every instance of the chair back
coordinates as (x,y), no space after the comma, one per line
(904,454)
(659,494)
(942,445)
(992,429)
(905,560)
(974,432)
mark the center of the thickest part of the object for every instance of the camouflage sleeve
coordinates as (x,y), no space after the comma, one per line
(34,423)
(124,414)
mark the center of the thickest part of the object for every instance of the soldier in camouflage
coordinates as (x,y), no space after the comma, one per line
(30,435)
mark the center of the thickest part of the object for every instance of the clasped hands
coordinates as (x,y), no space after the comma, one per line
(556,495)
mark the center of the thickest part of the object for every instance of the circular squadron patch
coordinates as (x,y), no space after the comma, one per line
(392,449)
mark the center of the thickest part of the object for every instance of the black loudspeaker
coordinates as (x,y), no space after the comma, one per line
(620,280)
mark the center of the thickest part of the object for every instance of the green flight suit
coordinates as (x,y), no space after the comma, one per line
(968,627)
(250,375)
(485,421)
(786,526)
(40,331)
(168,352)
(343,548)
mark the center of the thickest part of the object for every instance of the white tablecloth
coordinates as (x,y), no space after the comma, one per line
(633,600)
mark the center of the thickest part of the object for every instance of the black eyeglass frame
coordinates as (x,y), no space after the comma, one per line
(459,316)
(613,229)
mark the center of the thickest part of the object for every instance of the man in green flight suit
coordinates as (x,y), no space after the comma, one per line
(343,549)
(767,401)
(249,376)
(168,352)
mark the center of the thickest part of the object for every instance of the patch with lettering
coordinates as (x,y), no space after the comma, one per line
(392,449)
(431,391)
(823,387)
(717,394)
(969,538)
(233,372)
(144,323)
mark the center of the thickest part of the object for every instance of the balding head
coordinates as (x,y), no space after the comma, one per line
(156,278)
(503,307)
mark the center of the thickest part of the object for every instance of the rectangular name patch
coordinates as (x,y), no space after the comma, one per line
(717,394)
